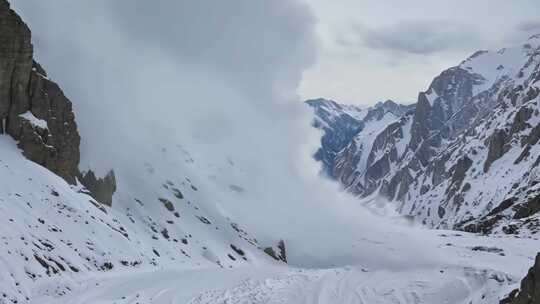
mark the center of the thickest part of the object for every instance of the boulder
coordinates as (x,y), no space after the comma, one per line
(529,291)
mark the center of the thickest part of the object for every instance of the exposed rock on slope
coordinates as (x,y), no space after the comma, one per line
(529,291)
(278,252)
(369,156)
(102,189)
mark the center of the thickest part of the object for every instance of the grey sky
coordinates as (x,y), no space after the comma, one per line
(370,50)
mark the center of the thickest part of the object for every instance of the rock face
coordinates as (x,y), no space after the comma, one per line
(102,189)
(16,54)
(35,111)
(363,164)
(529,291)
(341,124)
(278,253)
(466,156)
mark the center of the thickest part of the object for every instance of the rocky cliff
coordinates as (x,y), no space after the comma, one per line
(35,111)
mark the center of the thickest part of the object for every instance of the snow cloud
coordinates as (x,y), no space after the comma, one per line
(216,77)
(196,69)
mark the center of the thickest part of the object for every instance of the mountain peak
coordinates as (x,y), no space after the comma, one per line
(322,102)
(388,106)
(386,103)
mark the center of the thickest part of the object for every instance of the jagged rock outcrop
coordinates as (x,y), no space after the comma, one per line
(529,291)
(102,189)
(278,253)
(35,111)
(496,147)
(378,111)
(16,63)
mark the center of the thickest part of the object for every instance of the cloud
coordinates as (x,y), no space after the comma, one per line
(218,78)
(529,26)
(154,62)
(415,37)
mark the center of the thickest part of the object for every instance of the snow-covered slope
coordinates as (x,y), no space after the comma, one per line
(52,230)
(60,246)
(472,269)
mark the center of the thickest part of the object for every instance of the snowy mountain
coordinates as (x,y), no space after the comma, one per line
(466,157)
(161,220)
(343,123)
(340,124)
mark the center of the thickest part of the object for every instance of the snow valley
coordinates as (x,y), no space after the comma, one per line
(172,162)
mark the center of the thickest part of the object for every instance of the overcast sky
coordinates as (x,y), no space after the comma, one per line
(372,50)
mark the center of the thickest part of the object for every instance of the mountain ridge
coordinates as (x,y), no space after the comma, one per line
(409,157)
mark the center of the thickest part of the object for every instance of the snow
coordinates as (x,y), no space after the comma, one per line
(465,276)
(366,138)
(401,144)
(486,189)
(431,96)
(379,261)
(40,123)
(495,66)
(53,234)
(334,110)
(355,111)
